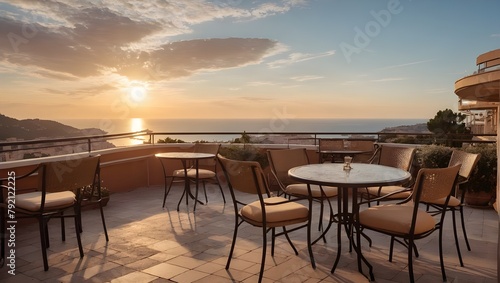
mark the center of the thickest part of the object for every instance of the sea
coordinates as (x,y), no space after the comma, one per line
(273,125)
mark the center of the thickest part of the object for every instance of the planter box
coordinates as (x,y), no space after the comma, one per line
(93,204)
(478,198)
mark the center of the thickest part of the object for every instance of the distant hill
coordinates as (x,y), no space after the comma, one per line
(417,128)
(29,129)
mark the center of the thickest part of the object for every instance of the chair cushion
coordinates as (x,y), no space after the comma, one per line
(276,215)
(396,219)
(31,201)
(301,189)
(454,202)
(390,189)
(202,173)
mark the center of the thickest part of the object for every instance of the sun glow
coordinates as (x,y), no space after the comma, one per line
(138,92)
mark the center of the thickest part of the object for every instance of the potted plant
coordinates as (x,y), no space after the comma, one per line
(481,187)
(90,195)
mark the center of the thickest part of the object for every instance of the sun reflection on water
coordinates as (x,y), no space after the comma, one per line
(135,126)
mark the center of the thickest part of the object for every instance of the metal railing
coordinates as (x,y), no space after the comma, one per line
(86,142)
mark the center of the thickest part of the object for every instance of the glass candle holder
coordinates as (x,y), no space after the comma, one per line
(347,162)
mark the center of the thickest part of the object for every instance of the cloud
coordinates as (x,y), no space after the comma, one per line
(183,58)
(86,50)
(495,35)
(306,78)
(270,9)
(86,91)
(405,64)
(298,57)
(255,99)
(383,80)
(69,39)
(260,83)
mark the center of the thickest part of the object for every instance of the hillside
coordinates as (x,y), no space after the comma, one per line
(29,129)
(417,128)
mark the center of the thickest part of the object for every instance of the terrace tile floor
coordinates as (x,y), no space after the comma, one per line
(151,244)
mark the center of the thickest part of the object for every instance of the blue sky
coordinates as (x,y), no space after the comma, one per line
(65,59)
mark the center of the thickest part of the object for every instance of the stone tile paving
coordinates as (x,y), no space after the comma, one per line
(152,244)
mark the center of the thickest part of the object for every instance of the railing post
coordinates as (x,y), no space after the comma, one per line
(90,145)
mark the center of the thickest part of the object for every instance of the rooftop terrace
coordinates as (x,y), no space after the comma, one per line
(151,244)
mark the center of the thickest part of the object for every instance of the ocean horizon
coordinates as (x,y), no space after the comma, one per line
(277,126)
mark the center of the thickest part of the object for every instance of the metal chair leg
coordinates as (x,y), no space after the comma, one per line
(463,227)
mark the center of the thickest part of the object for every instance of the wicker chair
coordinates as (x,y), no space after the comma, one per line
(59,188)
(326,145)
(406,222)
(265,211)
(282,160)
(468,162)
(394,156)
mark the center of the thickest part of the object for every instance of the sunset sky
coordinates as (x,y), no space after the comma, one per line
(63,59)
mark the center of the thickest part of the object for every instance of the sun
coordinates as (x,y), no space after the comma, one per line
(138,93)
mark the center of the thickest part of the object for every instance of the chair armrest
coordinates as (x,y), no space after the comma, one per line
(285,201)
(375,153)
(33,172)
(384,197)
(10,179)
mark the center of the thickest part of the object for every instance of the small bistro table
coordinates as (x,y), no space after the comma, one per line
(184,157)
(360,175)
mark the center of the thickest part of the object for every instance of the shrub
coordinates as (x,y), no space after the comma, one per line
(433,156)
(244,153)
(484,176)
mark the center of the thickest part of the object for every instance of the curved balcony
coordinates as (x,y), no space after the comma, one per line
(483,85)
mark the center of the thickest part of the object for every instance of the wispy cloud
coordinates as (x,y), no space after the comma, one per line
(495,35)
(438,90)
(405,64)
(298,57)
(383,80)
(255,99)
(351,82)
(86,91)
(306,78)
(260,83)
(379,80)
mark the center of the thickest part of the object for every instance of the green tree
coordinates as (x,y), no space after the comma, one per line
(447,126)
(170,140)
(245,138)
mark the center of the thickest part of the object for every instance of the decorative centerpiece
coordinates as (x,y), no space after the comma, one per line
(347,162)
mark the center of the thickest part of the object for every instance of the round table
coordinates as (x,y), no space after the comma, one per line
(184,157)
(360,175)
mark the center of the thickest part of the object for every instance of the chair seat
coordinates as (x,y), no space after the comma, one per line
(301,189)
(276,215)
(374,191)
(454,202)
(32,201)
(397,219)
(202,173)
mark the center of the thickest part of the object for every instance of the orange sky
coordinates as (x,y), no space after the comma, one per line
(238,59)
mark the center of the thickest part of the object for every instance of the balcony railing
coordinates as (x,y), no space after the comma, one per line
(93,143)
